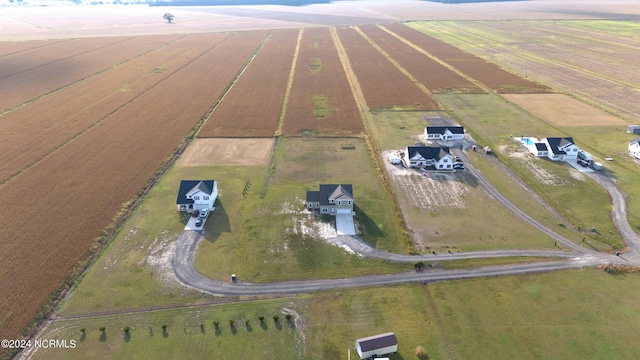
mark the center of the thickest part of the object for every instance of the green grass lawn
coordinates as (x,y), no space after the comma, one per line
(493,121)
(577,314)
(398,129)
(275,238)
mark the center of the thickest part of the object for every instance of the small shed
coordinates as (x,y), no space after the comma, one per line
(377,345)
(633,129)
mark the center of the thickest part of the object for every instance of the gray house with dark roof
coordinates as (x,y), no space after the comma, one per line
(331,199)
(377,345)
(444,133)
(424,156)
(197,195)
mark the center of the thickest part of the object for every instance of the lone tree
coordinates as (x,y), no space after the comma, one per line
(169,17)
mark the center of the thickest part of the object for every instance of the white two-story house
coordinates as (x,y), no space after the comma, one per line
(426,156)
(561,149)
(444,133)
(197,195)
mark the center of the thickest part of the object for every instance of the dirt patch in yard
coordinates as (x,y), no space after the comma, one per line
(562,110)
(524,156)
(224,151)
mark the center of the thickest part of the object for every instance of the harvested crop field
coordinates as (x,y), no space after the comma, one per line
(221,151)
(592,60)
(32,73)
(254,104)
(562,110)
(383,85)
(61,204)
(89,102)
(321,101)
(433,75)
(489,74)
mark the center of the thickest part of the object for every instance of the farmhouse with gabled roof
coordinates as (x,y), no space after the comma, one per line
(444,133)
(197,195)
(562,148)
(634,148)
(423,156)
(331,199)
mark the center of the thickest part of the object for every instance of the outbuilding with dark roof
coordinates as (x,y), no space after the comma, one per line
(377,345)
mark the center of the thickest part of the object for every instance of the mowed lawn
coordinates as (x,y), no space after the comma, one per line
(577,314)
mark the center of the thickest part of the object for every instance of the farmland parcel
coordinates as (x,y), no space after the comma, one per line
(321,100)
(81,186)
(383,85)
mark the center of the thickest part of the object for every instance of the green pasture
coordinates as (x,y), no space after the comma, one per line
(577,314)
(493,121)
(190,333)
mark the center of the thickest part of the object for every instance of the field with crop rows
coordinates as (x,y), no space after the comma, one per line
(31,73)
(489,74)
(56,208)
(383,85)
(50,125)
(254,104)
(321,101)
(603,68)
(433,75)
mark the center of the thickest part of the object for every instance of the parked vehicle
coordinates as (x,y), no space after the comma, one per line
(195,213)
(204,213)
(583,163)
(457,158)
(458,166)
(198,223)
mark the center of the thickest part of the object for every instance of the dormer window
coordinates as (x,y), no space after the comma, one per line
(196,198)
(205,197)
(339,202)
(331,201)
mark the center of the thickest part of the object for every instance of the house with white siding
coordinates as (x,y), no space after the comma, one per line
(377,345)
(562,149)
(444,133)
(634,148)
(197,195)
(438,157)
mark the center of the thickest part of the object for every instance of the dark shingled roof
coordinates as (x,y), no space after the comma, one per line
(330,191)
(556,143)
(442,129)
(187,185)
(541,147)
(428,152)
(377,341)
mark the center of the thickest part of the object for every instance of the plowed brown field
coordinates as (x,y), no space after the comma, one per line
(7,48)
(321,100)
(49,125)
(383,85)
(433,75)
(489,74)
(254,104)
(29,74)
(51,212)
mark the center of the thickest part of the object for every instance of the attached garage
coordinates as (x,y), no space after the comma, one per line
(377,345)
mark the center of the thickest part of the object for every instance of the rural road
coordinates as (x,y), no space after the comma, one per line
(187,246)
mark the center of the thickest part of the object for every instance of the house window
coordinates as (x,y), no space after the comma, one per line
(196,198)
(333,210)
(310,205)
(348,202)
(445,160)
(331,201)
(324,210)
(339,202)
(206,197)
